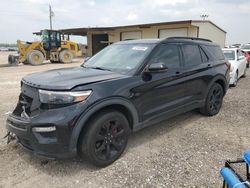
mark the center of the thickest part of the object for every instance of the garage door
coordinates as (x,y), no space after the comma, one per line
(131,35)
(165,33)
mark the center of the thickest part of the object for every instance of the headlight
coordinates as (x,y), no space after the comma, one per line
(61,97)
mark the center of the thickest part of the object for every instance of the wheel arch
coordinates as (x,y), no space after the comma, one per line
(120,104)
(220,79)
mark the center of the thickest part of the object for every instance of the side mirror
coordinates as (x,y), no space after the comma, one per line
(157,67)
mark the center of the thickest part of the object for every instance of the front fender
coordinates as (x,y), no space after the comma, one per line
(81,122)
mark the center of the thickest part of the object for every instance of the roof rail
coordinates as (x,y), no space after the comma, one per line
(190,38)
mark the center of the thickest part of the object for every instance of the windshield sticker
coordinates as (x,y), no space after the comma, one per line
(140,48)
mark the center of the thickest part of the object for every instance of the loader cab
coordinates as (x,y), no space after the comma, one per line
(51,39)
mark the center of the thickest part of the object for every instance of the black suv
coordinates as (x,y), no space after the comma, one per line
(90,110)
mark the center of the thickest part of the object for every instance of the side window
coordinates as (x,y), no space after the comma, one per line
(239,53)
(192,55)
(204,56)
(167,54)
(215,52)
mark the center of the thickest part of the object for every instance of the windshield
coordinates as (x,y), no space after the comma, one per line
(229,54)
(121,58)
(247,47)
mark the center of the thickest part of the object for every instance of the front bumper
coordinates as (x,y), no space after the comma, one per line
(51,144)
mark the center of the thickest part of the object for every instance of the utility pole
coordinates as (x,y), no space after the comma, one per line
(204,16)
(51,14)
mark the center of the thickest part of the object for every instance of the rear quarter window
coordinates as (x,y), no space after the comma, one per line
(215,52)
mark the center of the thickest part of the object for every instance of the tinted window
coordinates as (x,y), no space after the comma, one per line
(191,54)
(215,52)
(167,54)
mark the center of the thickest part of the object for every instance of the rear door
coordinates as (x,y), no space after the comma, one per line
(196,71)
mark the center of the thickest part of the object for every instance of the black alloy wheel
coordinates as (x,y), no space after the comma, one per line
(109,140)
(214,100)
(106,138)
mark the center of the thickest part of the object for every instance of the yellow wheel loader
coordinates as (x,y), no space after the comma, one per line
(53,47)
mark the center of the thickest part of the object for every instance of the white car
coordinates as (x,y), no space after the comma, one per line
(238,64)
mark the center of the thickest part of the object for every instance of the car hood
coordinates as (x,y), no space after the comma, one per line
(68,78)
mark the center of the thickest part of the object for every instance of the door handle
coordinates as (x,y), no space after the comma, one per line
(209,64)
(177,72)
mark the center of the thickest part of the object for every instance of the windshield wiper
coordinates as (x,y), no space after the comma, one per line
(99,68)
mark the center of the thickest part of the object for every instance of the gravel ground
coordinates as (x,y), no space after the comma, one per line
(185,151)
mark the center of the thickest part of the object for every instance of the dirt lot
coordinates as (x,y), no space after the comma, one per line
(185,151)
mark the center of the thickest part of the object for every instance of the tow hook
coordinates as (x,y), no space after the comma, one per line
(10,137)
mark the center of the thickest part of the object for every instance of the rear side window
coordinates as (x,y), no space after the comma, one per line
(215,52)
(167,54)
(192,55)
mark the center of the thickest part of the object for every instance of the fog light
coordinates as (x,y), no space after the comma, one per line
(44,129)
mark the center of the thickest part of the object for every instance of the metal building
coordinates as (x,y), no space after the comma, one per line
(99,37)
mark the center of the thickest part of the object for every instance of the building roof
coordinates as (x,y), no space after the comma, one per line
(84,30)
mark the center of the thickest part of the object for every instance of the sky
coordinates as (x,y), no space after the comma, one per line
(19,18)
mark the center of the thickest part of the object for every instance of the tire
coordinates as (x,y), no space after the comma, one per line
(13,60)
(235,79)
(214,100)
(66,56)
(105,139)
(35,57)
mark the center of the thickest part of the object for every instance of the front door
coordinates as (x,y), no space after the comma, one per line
(99,41)
(165,91)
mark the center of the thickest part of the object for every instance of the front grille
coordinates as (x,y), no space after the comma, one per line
(24,104)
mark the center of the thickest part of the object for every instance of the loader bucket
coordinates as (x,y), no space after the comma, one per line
(13,60)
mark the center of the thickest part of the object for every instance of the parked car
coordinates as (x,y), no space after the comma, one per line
(129,85)
(247,55)
(238,64)
(246,50)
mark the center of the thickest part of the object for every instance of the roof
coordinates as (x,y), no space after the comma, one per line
(83,30)
(208,21)
(188,40)
(140,41)
(193,40)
